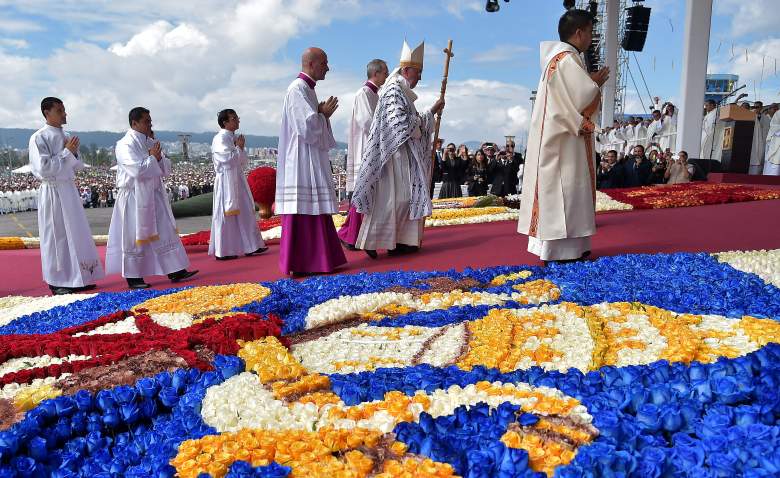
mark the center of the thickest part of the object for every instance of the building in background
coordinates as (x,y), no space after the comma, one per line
(718,86)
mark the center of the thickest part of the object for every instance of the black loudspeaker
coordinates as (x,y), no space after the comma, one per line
(637,21)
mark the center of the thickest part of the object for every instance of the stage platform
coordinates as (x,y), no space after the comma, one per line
(736,226)
(736,178)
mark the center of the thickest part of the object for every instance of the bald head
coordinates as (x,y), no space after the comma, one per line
(314,62)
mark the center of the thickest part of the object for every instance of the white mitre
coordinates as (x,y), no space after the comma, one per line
(412,58)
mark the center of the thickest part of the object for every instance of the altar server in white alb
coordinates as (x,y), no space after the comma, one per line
(142,238)
(392,187)
(772,160)
(760,131)
(363,108)
(708,130)
(557,208)
(305,196)
(69,259)
(234,227)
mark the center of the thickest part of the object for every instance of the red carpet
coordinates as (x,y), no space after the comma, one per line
(750,225)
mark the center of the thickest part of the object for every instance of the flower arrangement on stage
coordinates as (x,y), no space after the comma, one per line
(690,194)
(262,183)
(643,365)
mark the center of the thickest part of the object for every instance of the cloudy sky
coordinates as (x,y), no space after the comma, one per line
(187,60)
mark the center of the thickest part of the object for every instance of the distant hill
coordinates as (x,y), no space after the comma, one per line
(19,138)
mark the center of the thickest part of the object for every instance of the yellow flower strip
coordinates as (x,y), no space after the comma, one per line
(543,455)
(441,214)
(370,363)
(535,290)
(28,398)
(504,278)
(761,331)
(198,300)
(497,340)
(270,360)
(11,243)
(309,454)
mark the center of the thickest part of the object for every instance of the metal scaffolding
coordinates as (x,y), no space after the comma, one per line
(600,44)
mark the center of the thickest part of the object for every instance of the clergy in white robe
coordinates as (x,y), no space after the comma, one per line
(557,208)
(392,188)
(668,133)
(772,157)
(305,196)
(654,129)
(640,135)
(363,108)
(69,259)
(708,130)
(142,238)
(760,131)
(616,140)
(234,227)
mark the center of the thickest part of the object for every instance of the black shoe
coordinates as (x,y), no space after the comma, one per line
(179,276)
(402,249)
(58,290)
(136,283)
(371,253)
(86,287)
(225,258)
(348,246)
(259,251)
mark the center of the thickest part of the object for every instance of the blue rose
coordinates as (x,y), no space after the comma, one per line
(702,391)
(124,394)
(647,417)
(715,444)
(169,396)
(652,463)
(671,417)
(37,448)
(9,443)
(130,412)
(608,424)
(714,424)
(25,466)
(689,455)
(745,415)
(480,464)
(83,400)
(727,389)
(659,394)
(724,464)
(105,401)
(147,387)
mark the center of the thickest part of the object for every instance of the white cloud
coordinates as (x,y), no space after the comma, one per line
(757,64)
(159,36)
(14,43)
(18,26)
(457,7)
(751,17)
(215,54)
(500,53)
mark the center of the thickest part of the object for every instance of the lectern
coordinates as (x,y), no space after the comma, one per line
(737,138)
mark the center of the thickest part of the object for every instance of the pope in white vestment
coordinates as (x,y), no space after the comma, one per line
(305,196)
(234,227)
(69,259)
(757,152)
(772,159)
(142,238)
(557,208)
(363,108)
(392,188)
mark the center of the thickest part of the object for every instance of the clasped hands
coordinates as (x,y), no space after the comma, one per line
(600,77)
(328,106)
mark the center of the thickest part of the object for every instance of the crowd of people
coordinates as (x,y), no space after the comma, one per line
(97,186)
(487,170)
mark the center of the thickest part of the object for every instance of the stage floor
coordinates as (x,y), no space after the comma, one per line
(737,226)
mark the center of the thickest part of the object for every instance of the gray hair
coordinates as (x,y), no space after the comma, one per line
(374,67)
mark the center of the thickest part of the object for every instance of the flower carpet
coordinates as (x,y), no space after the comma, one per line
(636,365)
(690,194)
